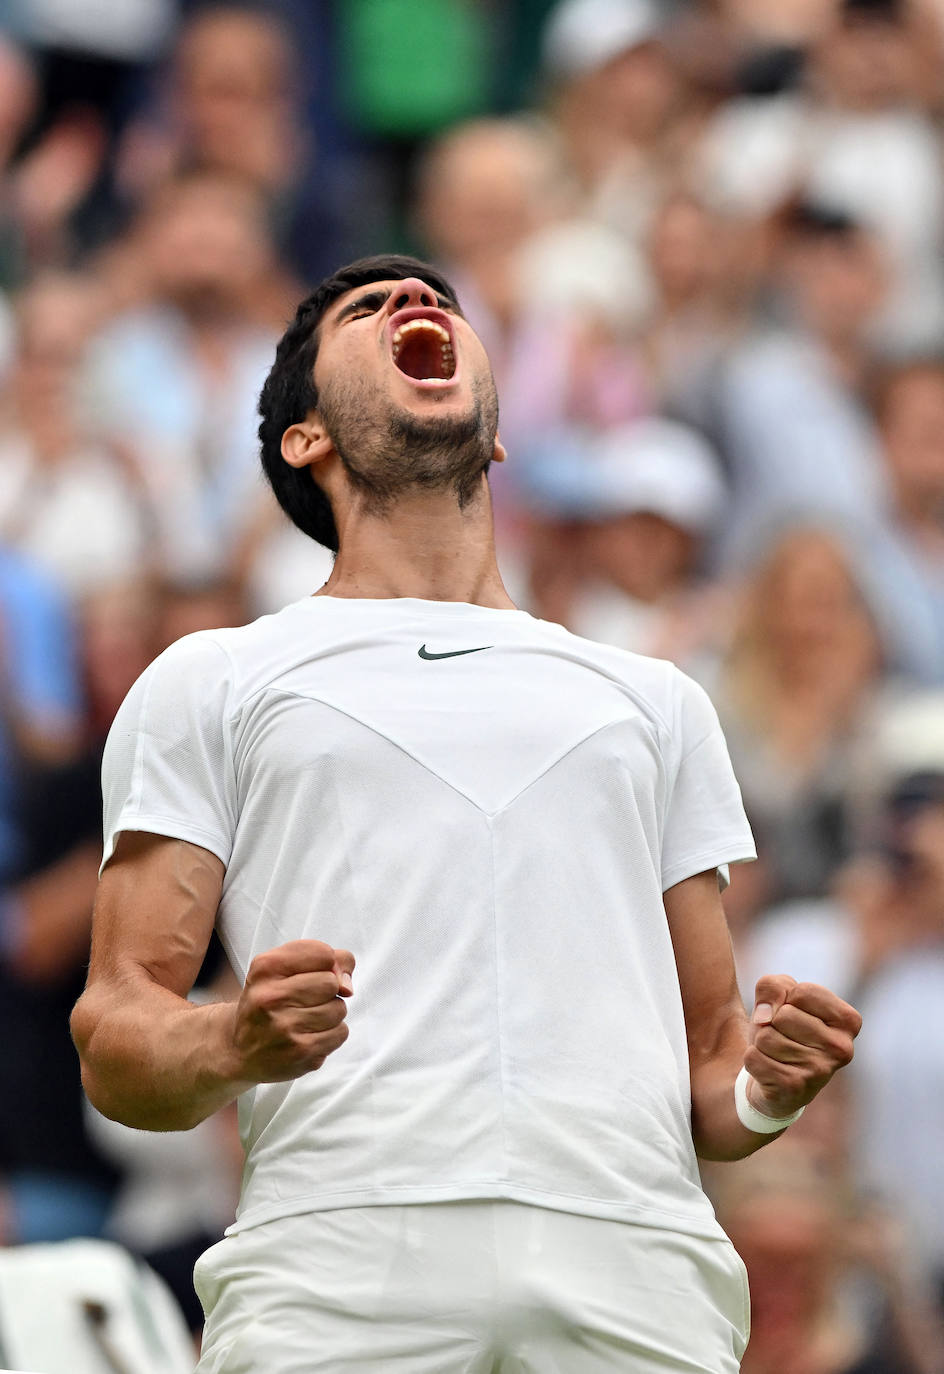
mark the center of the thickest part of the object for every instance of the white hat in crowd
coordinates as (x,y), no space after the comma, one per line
(582,35)
(658,466)
(908,737)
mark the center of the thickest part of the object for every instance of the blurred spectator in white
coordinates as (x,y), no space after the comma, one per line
(793,423)
(619,104)
(482,189)
(232,102)
(908,553)
(880,938)
(554,299)
(834,1289)
(794,692)
(494,209)
(175,382)
(855,138)
(899,1078)
(698,311)
(68,501)
(641,501)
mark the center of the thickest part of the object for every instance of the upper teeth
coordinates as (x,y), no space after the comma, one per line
(411,326)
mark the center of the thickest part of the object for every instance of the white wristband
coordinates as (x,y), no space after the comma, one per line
(749,1116)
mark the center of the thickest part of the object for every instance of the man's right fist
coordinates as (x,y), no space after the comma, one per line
(290,1014)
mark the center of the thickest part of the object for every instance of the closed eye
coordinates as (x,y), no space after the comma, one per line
(365,305)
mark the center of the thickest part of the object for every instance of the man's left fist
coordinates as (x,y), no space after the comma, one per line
(800,1035)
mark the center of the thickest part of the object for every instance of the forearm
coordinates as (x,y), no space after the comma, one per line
(153,1060)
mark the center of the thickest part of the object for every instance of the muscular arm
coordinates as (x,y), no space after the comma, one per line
(150,1058)
(797,1038)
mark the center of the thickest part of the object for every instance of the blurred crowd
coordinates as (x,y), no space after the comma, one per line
(703,243)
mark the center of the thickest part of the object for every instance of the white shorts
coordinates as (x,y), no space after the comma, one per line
(469,1288)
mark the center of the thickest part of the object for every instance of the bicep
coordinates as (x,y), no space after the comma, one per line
(155,909)
(714,1012)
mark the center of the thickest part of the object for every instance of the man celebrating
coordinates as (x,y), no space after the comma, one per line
(490,1164)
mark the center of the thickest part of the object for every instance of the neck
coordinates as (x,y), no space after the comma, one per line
(424,546)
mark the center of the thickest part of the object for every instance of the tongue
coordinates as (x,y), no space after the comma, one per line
(420,356)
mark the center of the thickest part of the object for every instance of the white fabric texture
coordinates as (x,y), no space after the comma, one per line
(86,1306)
(470,1288)
(490,832)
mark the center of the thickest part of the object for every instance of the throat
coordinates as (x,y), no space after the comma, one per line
(422,547)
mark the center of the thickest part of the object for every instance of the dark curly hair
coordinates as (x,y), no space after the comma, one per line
(289,392)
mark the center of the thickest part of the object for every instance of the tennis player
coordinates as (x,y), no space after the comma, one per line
(478,1152)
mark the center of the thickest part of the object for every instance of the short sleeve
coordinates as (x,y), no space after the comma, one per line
(705,825)
(168,764)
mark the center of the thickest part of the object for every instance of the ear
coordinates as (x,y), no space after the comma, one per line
(501,453)
(307,442)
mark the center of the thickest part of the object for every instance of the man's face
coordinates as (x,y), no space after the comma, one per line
(405,390)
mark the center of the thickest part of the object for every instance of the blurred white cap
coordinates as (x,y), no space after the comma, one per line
(658,466)
(582,35)
(908,738)
(579,267)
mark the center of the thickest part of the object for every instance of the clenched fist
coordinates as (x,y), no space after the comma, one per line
(290,1014)
(801,1034)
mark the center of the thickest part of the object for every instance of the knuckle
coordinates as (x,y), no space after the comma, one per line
(265,998)
(319,952)
(336,1037)
(262,966)
(843,1051)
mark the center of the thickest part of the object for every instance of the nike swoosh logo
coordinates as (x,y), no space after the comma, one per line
(453,653)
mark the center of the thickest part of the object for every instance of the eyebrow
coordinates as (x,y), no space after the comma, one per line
(373,300)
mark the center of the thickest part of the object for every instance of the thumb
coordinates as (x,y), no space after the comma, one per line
(769,996)
(343,968)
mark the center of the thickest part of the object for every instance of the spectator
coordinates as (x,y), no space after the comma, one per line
(698,312)
(643,500)
(618,102)
(909,551)
(67,501)
(810,1246)
(550,297)
(232,103)
(881,937)
(794,692)
(793,420)
(56,1183)
(857,139)
(175,381)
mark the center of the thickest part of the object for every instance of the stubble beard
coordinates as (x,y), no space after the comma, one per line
(387,451)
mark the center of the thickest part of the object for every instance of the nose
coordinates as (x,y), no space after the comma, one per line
(411,292)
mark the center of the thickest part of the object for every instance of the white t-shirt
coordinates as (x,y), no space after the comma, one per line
(486,810)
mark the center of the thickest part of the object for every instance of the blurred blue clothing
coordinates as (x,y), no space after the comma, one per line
(39,681)
(46,1208)
(195,437)
(800,446)
(910,588)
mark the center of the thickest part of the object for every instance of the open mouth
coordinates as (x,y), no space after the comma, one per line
(422,349)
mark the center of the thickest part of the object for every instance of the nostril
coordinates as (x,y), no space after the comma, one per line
(401,301)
